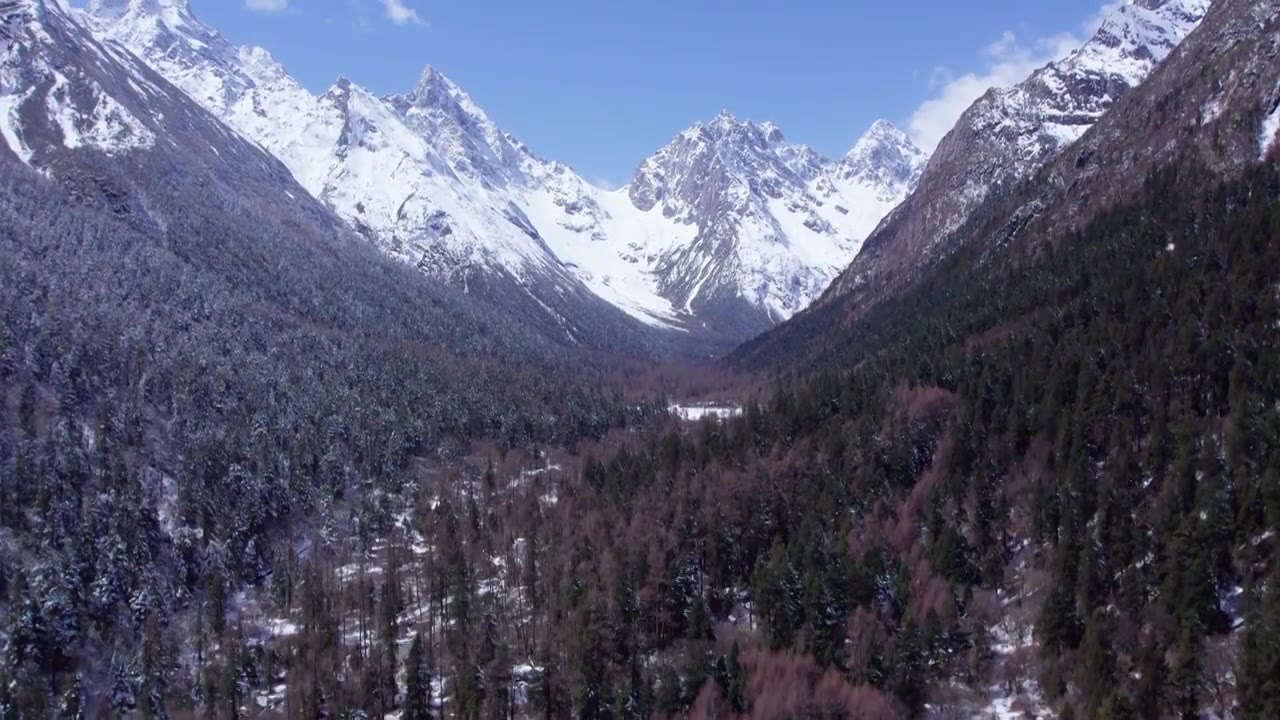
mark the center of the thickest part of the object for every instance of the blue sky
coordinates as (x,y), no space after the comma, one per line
(601,85)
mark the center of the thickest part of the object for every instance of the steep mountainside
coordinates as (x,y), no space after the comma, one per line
(1209,105)
(198,359)
(100,127)
(116,134)
(440,207)
(765,222)
(750,229)
(1010,133)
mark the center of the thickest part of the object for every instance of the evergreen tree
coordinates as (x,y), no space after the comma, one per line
(1096,670)
(73,700)
(417,696)
(1259,664)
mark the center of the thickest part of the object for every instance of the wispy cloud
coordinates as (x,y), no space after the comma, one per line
(267,6)
(401,14)
(1007,61)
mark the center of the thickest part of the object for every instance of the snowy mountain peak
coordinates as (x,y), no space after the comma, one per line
(1131,40)
(440,111)
(338,93)
(729,228)
(772,133)
(727,126)
(884,155)
(174,13)
(724,118)
(883,131)
(435,89)
(772,221)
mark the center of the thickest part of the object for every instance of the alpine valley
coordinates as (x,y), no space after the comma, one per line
(331,405)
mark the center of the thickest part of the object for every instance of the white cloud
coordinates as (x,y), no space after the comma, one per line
(267,5)
(401,14)
(1007,61)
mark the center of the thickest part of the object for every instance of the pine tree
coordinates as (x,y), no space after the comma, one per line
(73,700)
(909,670)
(1259,662)
(1187,677)
(158,660)
(1059,625)
(736,692)
(1096,671)
(417,697)
(27,408)
(389,634)
(1148,697)
(779,596)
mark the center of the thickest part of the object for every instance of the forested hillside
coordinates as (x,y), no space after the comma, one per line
(180,406)
(1065,491)
(252,468)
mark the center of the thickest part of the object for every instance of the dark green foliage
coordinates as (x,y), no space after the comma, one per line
(417,694)
(1259,666)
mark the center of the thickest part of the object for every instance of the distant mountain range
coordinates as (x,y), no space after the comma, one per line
(720,235)
(724,232)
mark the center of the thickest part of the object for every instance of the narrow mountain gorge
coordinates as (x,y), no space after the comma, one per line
(350,406)
(722,234)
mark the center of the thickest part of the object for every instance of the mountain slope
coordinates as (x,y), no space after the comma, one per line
(353,151)
(767,222)
(1206,107)
(110,134)
(434,182)
(1010,133)
(115,133)
(200,365)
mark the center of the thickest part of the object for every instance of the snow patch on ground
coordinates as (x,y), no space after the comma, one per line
(9,126)
(698,412)
(1027,704)
(1211,110)
(1270,128)
(281,627)
(108,126)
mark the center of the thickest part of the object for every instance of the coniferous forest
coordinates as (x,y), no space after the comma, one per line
(252,467)
(1068,488)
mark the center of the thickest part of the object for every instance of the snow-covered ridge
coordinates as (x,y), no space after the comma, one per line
(1060,102)
(749,228)
(41,93)
(1009,133)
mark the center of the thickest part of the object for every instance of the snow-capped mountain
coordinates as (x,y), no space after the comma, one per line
(761,225)
(1011,132)
(47,100)
(71,106)
(724,232)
